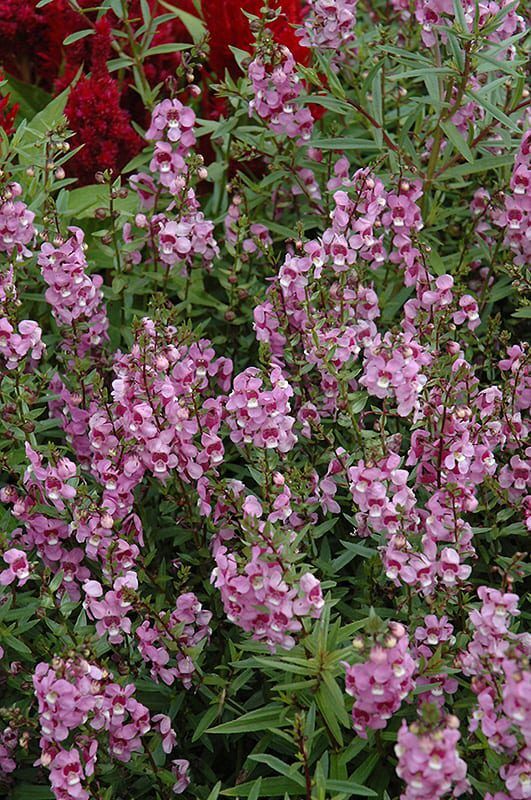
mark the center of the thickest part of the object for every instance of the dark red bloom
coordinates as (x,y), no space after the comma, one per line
(99,122)
(7,114)
(228,25)
(31,39)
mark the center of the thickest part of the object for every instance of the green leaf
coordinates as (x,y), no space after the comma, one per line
(457,140)
(330,702)
(269,787)
(278,766)
(479,165)
(208,717)
(350,789)
(169,47)
(367,768)
(75,37)
(30,99)
(255,793)
(494,110)
(48,118)
(26,791)
(195,27)
(460,15)
(214,794)
(523,313)
(17,645)
(344,143)
(259,720)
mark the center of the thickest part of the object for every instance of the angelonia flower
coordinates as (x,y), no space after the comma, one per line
(81,708)
(381,682)
(20,343)
(180,768)
(16,222)
(264,588)
(515,217)
(258,415)
(329,25)
(179,241)
(260,596)
(109,610)
(17,344)
(429,761)
(8,746)
(394,368)
(498,661)
(55,482)
(164,414)
(366,414)
(276,88)
(432,13)
(173,122)
(75,297)
(181,232)
(186,627)
(436,632)
(69,409)
(18,568)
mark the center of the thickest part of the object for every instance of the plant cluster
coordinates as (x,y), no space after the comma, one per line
(265,392)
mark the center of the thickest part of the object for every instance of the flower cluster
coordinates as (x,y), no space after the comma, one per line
(176,638)
(433,13)
(16,222)
(180,240)
(258,239)
(276,89)
(15,344)
(393,368)
(260,597)
(303,422)
(515,217)
(18,568)
(329,25)
(79,706)
(8,745)
(428,760)
(260,416)
(157,422)
(497,660)
(75,297)
(173,122)
(381,683)
(181,232)
(110,612)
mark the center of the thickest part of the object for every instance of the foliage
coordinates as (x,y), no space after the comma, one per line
(265,393)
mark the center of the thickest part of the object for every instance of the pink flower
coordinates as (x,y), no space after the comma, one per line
(66,774)
(169,739)
(180,769)
(329,25)
(276,86)
(18,569)
(174,121)
(428,760)
(16,222)
(382,682)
